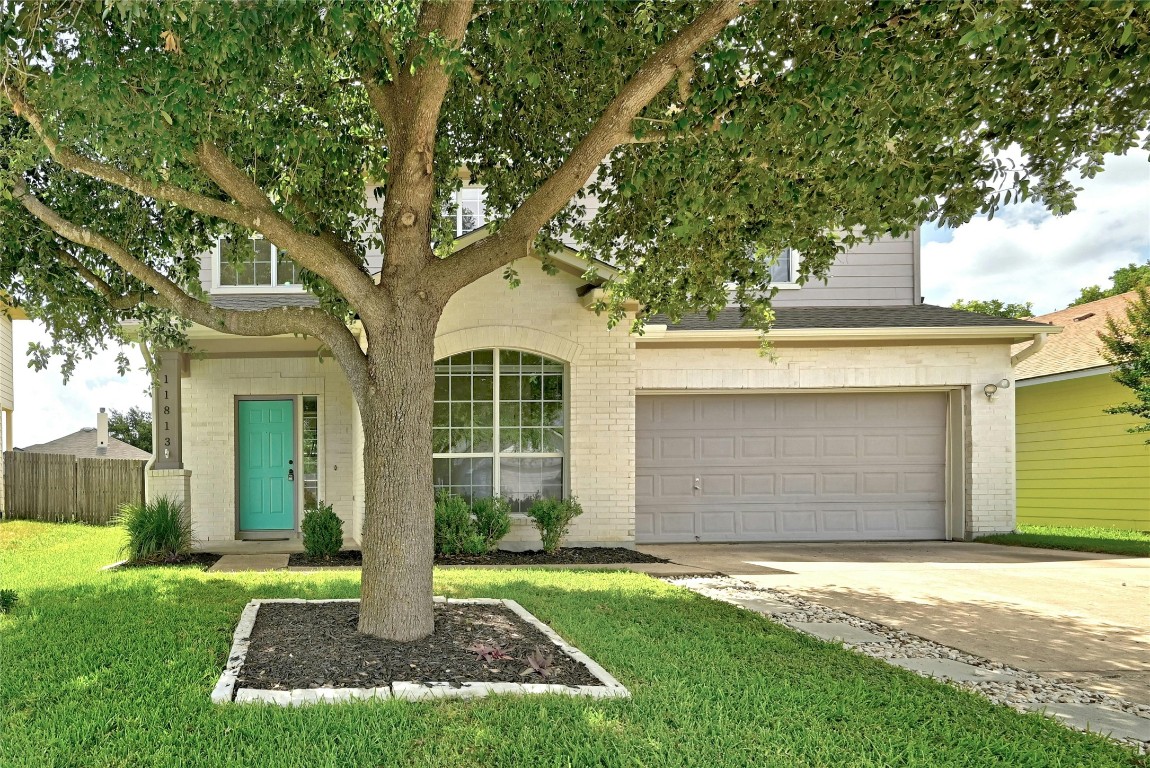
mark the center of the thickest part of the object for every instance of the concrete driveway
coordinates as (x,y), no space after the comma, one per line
(1073,616)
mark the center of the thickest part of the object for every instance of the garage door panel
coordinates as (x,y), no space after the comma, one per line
(790,467)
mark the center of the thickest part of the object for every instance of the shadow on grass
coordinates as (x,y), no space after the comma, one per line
(118,671)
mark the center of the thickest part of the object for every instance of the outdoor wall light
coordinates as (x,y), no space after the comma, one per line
(990,389)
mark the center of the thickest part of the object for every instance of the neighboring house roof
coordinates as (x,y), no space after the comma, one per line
(82,444)
(908,316)
(1078,347)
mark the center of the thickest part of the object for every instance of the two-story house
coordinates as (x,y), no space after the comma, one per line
(877,417)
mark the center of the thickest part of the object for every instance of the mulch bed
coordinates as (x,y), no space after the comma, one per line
(201,560)
(565,556)
(316,645)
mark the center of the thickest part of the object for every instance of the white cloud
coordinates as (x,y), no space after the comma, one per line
(1025,254)
(46,408)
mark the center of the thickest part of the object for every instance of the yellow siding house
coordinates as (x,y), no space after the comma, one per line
(1077,465)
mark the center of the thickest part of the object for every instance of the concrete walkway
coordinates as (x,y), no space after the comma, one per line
(1078,617)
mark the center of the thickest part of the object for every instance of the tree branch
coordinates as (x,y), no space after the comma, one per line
(254,210)
(166,294)
(76,162)
(512,240)
(316,253)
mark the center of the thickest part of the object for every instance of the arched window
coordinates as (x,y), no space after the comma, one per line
(499,425)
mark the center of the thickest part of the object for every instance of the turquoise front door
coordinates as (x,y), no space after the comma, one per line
(266,465)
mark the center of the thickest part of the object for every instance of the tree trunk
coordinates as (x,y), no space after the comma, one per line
(399,513)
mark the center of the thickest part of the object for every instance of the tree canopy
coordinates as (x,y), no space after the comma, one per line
(1124,279)
(813,125)
(1126,345)
(996,307)
(133,426)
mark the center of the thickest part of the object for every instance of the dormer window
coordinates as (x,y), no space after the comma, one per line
(466,212)
(254,263)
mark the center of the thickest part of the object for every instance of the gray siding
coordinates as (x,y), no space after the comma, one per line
(876,274)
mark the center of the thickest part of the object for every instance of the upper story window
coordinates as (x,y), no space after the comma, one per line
(786,267)
(466,211)
(254,263)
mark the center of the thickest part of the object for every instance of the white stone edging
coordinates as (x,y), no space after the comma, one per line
(226,692)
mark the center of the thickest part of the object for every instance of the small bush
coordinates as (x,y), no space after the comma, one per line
(8,600)
(158,531)
(492,521)
(454,531)
(322,532)
(553,518)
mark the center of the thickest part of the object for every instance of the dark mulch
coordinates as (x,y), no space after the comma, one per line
(201,560)
(565,556)
(316,645)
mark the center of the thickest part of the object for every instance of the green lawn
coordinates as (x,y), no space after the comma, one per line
(1111,541)
(115,669)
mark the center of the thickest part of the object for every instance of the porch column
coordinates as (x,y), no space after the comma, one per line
(166,474)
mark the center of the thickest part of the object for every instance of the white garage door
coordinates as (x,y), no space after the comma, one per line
(792,467)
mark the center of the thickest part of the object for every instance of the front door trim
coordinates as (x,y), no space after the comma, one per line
(240,532)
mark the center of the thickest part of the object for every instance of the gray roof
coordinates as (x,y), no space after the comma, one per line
(253,301)
(906,316)
(82,444)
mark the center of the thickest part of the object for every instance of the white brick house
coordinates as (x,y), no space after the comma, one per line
(871,421)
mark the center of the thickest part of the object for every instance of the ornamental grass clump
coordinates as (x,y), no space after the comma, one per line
(322,532)
(553,519)
(158,531)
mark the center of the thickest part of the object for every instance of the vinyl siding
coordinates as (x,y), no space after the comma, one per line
(1077,465)
(6,388)
(876,274)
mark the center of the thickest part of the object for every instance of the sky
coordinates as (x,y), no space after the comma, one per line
(1024,254)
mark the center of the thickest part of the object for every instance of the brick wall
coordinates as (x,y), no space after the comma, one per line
(545,315)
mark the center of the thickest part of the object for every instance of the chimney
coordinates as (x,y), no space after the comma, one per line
(102,432)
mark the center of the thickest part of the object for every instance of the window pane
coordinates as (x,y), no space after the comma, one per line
(483,359)
(509,357)
(509,439)
(460,388)
(439,417)
(532,387)
(310,458)
(440,440)
(509,415)
(442,387)
(460,414)
(483,387)
(524,480)
(552,441)
(481,439)
(553,414)
(470,478)
(781,269)
(286,272)
(483,413)
(532,414)
(508,388)
(460,440)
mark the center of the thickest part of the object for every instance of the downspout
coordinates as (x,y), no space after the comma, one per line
(151,366)
(1037,345)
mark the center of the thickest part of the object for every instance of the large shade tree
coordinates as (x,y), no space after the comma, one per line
(133,134)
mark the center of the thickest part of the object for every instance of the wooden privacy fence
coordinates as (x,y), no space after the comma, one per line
(59,488)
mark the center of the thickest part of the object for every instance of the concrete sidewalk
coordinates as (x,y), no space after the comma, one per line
(1079,617)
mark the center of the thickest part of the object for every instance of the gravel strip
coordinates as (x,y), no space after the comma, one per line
(1021,691)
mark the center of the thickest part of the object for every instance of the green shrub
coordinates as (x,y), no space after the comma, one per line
(492,521)
(553,518)
(158,531)
(454,531)
(8,600)
(322,532)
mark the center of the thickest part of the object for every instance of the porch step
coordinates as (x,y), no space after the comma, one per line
(235,563)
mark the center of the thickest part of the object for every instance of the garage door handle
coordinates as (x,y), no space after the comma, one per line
(698,484)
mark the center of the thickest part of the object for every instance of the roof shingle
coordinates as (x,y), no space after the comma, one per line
(904,316)
(1078,346)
